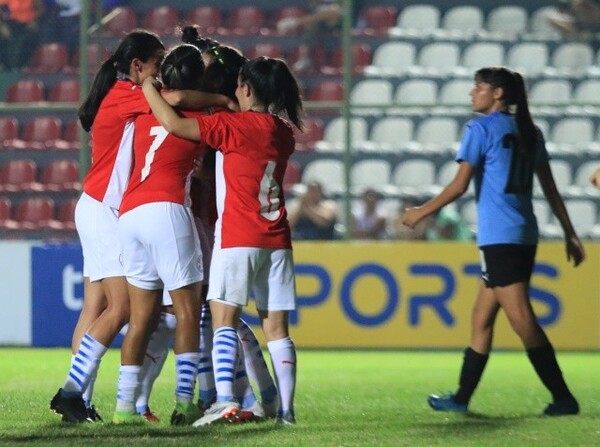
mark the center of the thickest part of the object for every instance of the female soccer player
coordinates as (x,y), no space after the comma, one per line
(503,150)
(252,241)
(115,99)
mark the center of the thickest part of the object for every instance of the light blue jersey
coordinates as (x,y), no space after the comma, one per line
(503,180)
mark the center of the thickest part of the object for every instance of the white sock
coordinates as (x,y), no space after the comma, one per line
(242,390)
(84,365)
(224,353)
(154,360)
(129,380)
(283,358)
(254,361)
(186,369)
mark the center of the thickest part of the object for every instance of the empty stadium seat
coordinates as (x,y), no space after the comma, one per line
(540,27)
(208,18)
(25,90)
(163,20)
(482,54)
(6,221)
(437,58)
(361,57)
(416,20)
(571,134)
(463,21)
(507,20)
(417,92)
(437,134)
(313,132)
(392,59)
(572,58)
(446,173)
(563,177)
(284,13)
(587,92)
(65,90)
(19,175)
(96,55)
(245,21)
(121,21)
(370,174)
(9,131)
(328,172)
(414,177)
(50,57)
(36,213)
(334,135)
(371,92)
(583,214)
(66,214)
(528,58)
(268,49)
(60,175)
(456,92)
(70,136)
(41,132)
(390,134)
(326,91)
(550,92)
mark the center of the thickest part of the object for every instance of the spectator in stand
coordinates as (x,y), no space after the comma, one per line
(575,17)
(312,216)
(323,19)
(419,232)
(61,23)
(19,31)
(367,221)
(449,226)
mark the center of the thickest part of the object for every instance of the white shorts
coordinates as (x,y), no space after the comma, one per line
(97,225)
(160,246)
(240,272)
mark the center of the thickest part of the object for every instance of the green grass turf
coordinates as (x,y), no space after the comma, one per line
(344,398)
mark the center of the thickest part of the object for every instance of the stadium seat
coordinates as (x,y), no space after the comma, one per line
(550,92)
(437,134)
(417,92)
(6,221)
(60,175)
(65,90)
(587,92)
(581,182)
(370,92)
(318,56)
(287,12)
(414,177)
(245,21)
(66,214)
(369,173)
(19,175)
(70,136)
(123,20)
(41,132)
(572,58)
(313,132)
(390,134)
(50,57)
(392,59)
(334,135)
(361,57)
(540,27)
(293,176)
(437,58)
(571,135)
(528,58)
(416,20)
(583,216)
(163,20)
(36,213)
(9,131)
(507,21)
(96,56)
(25,90)
(482,54)
(326,91)
(463,21)
(456,92)
(377,19)
(328,172)
(208,18)
(446,173)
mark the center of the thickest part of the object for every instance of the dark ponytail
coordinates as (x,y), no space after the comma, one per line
(182,68)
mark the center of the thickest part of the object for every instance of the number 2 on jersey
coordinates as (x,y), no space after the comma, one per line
(160,134)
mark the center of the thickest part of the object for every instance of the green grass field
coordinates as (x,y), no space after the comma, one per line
(344,398)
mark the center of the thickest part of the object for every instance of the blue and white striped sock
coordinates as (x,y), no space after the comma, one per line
(84,365)
(186,369)
(206,378)
(224,353)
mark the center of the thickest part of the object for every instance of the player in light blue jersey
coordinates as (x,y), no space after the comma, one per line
(502,150)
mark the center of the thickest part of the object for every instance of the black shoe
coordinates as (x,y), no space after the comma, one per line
(562,407)
(72,408)
(93,414)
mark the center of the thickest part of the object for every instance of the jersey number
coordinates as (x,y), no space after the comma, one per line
(520,177)
(269,194)
(160,134)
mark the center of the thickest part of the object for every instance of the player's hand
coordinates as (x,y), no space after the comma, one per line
(575,251)
(412,216)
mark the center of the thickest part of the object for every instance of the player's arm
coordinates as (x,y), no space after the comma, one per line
(166,115)
(196,100)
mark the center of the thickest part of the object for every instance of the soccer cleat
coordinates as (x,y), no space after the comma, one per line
(446,402)
(93,414)
(185,413)
(220,413)
(150,417)
(72,408)
(253,413)
(126,417)
(287,418)
(562,407)
(271,408)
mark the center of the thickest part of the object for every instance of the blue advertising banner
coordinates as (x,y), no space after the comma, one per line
(56,294)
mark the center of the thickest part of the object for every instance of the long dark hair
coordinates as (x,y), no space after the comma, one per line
(515,94)
(140,44)
(182,68)
(274,86)
(190,34)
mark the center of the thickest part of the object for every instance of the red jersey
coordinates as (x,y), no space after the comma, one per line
(162,166)
(112,143)
(256,148)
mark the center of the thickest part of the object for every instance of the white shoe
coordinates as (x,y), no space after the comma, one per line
(219,412)
(287,24)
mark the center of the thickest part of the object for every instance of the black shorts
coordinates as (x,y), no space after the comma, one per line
(505,264)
